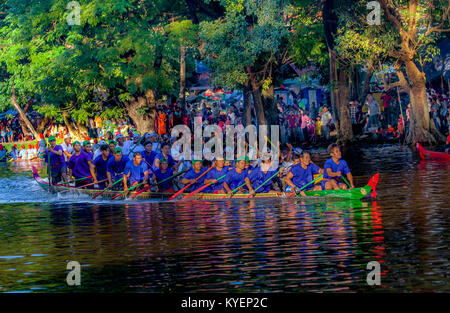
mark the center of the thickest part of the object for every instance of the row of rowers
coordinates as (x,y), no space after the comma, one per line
(150,168)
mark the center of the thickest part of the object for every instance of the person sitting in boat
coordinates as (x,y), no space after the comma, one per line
(88,148)
(162,173)
(57,162)
(135,172)
(14,153)
(236,177)
(260,178)
(148,154)
(115,168)
(2,153)
(79,165)
(165,154)
(193,173)
(333,170)
(23,153)
(100,167)
(302,174)
(31,152)
(211,177)
(112,146)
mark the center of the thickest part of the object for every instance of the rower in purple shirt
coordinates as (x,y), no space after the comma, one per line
(57,161)
(79,165)
(100,166)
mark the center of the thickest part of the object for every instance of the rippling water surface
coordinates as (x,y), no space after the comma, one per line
(244,245)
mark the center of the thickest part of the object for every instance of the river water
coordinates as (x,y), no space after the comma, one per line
(256,245)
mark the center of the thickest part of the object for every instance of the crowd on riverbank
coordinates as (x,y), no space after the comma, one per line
(301,123)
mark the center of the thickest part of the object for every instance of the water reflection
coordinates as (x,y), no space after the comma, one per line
(233,245)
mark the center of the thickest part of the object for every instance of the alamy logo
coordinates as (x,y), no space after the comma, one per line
(373,277)
(374,16)
(73,18)
(74,276)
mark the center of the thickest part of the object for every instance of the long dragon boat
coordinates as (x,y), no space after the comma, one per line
(355,193)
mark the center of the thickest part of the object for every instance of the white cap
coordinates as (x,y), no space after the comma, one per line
(102,142)
(67,136)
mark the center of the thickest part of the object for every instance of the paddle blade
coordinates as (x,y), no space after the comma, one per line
(373,183)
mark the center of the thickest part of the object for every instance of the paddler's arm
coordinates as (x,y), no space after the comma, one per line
(108,174)
(92,170)
(125,186)
(295,189)
(249,186)
(333,174)
(145,178)
(54,151)
(227,188)
(288,159)
(67,154)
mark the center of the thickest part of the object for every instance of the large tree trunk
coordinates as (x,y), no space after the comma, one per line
(247,117)
(141,109)
(421,128)
(82,130)
(340,82)
(259,107)
(22,115)
(365,86)
(42,123)
(182,95)
(71,127)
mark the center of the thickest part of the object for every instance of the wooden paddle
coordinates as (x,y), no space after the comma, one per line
(301,189)
(75,180)
(187,186)
(346,181)
(165,179)
(107,188)
(131,188)
(202,188)
(91,184)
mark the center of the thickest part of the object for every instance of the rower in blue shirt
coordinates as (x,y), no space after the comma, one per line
(100,166)
(261,177)
(115,167)
(211,177)
(302,174)
(191,175)
(236,177)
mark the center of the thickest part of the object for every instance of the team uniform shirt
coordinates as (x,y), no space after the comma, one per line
(116,168)
(150,159)
(137,173)
(161,176)
(57,162)
(23,154)
(69,149)
(304,176)
(160,156)
(101,166)
(235,179)
(258,177)
(129,148)
(79,164)
(341,167)
(191,174)
(215,174)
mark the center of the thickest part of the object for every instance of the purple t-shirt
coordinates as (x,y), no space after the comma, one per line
(56,161)
(79,164)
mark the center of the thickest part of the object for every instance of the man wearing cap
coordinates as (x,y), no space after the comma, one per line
(211,177)
(132,146)
(162,173)
(80,165)
(31,152)
(261,175)
(135,172)
(88,148)
(57,162)
(97,152)
(116,166)
(67,147)
(235,177)
(14,152)
(120,141)
(100,165)
(23,153)
(191,175)
(165,154)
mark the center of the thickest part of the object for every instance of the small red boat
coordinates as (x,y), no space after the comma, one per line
(432,155)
